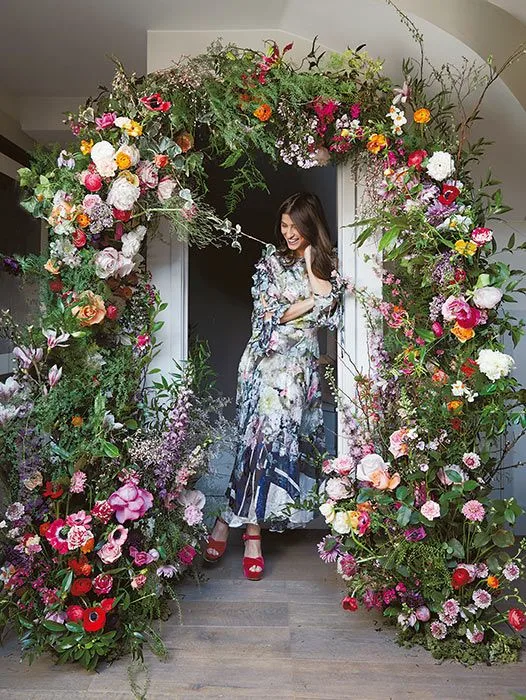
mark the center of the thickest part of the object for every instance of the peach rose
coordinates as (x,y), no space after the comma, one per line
(381,480)
(462,334)
(90,309)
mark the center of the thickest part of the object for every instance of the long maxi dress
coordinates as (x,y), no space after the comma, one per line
(279,406)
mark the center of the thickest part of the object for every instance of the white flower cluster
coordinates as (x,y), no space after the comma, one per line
(495,364)
(399,119)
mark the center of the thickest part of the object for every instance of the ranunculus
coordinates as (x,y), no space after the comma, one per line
(74,613)
(80,586)
(453,306)
(89,309)
(147,174)
(460,578)
(481,235)
(368,464)
(495,364)
(91,181)
(430,510)
(130,502)
(109,262)
(440,166)
(79,238)
(103,155)
(423,613)
(416,157)
(517,619)
(110,552)
(165,188)
(397,445)
(336,489)
(161,160)
(350,603)
(463,334)
(123,194)
(487,297)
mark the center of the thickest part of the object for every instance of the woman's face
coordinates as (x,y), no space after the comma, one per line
(295,241)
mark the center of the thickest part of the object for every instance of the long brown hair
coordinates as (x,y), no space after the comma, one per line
(306,211)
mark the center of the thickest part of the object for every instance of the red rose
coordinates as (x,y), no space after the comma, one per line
(517,619)
(56,285)
(80,586)
(79,238)
(415,158)
(350,603)
(107,604)
(121,215)
(93,619)
(460,578)
(449,194)
(112,312)
(74,613)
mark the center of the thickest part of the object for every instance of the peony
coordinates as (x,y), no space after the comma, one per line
(336,489)
(130,502)
(148,174)
(369,464)
(91,181)
(165,188)
(468,317)
(487,297)
(74,613)
(440,166)
(473,511)
(430,510)
(471,460)
(123,194)
(453,306)
(495,364)
(109,262)
(103,155)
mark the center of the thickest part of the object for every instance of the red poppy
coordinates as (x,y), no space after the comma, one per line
(80,566)
(415,158)
(107,604)
(155,103)
(93,619)
(74,613)
(469,367)
(449,194)
(80,586)
(517,619)
(53,490)
(350,603)
(460,578)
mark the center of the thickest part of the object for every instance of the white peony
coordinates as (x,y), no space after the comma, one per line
(440,166)
(131,241)
(103,155)
(487,297)
(495,364)
(336,489)
(111,263)
(123,194)
(341,523)
(369,464)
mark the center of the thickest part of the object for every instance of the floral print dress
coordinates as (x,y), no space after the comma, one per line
(279,407)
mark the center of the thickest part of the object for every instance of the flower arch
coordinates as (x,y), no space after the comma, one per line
(104,517)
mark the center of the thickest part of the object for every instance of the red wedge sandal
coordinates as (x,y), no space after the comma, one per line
(218,545)
(249,562)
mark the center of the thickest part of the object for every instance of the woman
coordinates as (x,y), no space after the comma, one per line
(296,290)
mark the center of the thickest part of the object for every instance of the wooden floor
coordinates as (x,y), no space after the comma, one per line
(283,637)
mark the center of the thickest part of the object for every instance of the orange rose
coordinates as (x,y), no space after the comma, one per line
(82,219)
(77,421)
(454,405)
(185,141)
(90,309)
(422,116)
(263,112)
(381,480)
(493,582)
(376,143)
(462,334)
(123,161)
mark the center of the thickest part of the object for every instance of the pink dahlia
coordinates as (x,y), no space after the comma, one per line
(482,598)
(476,636)
(473,511)
(438,630)
(130,502)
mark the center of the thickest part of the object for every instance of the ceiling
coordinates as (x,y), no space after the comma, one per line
(51,48)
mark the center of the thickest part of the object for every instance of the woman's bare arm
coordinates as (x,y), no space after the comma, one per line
(318,286)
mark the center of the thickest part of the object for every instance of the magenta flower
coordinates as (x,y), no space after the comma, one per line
(186,554)
(106,120)
(143,558)
(102,584)
(130,502)
(473,511)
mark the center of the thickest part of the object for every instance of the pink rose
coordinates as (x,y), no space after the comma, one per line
(186,554)
(430,510)
(143,558)
(110,552)
(165,188)
(452,306)
(138,581)
(130,502)
(147,174)
(102,584)
(106,120)
(481,235)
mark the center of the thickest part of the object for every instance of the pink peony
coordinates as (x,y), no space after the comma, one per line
(430,510)
(473,511)
(130,502)
(468,317)
(397,446)
(343,465)
(186,554)
(452,306)
(110,552)
(90,201)
(102,584)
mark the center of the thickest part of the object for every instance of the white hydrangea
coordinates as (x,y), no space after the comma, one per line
(495,364)
(440,165)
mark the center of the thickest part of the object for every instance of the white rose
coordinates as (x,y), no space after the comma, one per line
(368,465)
(103,155)
(327,510)
(131,151)
(123,194)
(487,297)
(336,489)
(495,364)
(110,263)
(341,523)
(165,188)
(131,241)
(440,166)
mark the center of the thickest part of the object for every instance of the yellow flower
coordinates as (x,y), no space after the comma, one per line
(86,146)
(345,133)
(493,582)
(352,517)
(123,160)
(422,116)
(133,128)
(131,177)
(467,248)
(462,334)
(454,405)
(376,143)
(51,266)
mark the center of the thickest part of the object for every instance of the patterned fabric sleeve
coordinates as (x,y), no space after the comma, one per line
(268,298)
(328,308)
